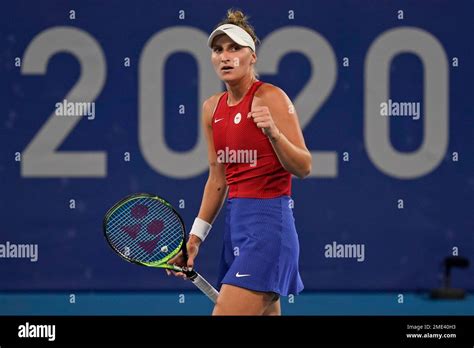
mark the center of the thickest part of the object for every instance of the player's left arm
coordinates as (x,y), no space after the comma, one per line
(273,112)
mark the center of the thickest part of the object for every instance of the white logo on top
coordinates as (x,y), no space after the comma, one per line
(237,118)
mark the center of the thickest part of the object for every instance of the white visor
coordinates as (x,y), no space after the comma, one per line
(236,33)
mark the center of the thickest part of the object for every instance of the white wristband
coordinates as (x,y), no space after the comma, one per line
(200,228)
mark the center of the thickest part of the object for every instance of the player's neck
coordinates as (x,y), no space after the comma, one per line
(237,90)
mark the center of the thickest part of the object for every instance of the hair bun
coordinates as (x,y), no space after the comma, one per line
(236,17)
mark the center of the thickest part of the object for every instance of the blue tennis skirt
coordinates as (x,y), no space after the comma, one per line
(261,248)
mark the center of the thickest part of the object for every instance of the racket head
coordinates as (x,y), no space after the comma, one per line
(145,229)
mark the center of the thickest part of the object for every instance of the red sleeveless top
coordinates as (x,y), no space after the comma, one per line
(252,168)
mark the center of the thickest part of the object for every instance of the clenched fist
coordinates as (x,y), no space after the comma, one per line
(263,119)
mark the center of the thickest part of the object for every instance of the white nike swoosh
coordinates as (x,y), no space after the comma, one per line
(241,275)
(220,119)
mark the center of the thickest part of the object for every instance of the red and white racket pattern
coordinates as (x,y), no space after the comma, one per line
(144,229)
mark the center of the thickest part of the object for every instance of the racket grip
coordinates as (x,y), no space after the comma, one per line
(204,286)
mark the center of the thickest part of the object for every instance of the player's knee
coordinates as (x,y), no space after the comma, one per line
(219,308)
(273,308)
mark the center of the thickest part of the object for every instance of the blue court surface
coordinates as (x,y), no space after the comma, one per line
(194,303)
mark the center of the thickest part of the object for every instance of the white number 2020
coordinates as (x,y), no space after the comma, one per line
(40,158)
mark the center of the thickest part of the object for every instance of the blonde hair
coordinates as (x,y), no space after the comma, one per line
(237,17)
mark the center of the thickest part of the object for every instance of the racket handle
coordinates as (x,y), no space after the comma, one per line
(204,286)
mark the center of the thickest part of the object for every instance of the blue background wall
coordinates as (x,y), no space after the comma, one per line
(353,201)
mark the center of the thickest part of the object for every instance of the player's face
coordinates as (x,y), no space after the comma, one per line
(230,60)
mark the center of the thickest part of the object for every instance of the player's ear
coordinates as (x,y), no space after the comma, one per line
(254,58)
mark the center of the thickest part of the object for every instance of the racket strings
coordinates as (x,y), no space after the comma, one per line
(149,217)
(135,249)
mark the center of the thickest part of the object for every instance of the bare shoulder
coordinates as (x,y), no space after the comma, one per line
(211,102)
(209,106)
(268,93)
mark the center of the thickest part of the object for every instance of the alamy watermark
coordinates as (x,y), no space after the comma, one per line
(408,109)
(345,251)
(68,108)
(19,251)
(28,330)
(237,156)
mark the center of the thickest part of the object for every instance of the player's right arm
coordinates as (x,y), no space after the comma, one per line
(215,190)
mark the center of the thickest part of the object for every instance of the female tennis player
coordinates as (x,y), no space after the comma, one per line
(255,144)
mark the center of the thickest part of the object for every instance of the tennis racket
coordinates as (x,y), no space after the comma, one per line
(146,230)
